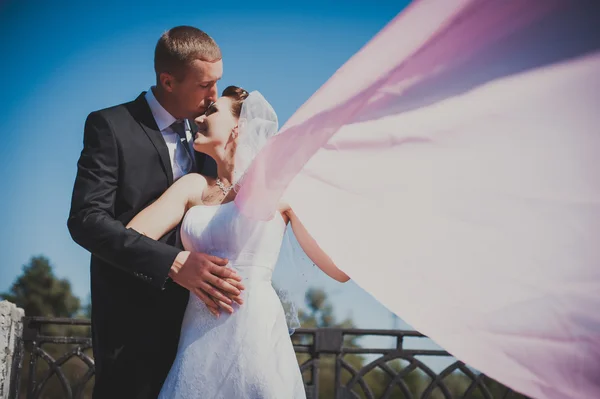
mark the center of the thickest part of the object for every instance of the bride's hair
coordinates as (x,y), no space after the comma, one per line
(237,95)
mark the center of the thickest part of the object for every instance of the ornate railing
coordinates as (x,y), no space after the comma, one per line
(54,360)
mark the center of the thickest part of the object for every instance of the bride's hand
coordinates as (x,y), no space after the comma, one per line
(207,277)
(217,305)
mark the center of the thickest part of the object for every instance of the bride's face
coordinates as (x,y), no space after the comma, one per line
(216,128)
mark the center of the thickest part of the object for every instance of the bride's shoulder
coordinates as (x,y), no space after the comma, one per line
(190,188)
(193,178)
(192,183)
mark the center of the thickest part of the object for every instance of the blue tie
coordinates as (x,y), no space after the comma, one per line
(183,156)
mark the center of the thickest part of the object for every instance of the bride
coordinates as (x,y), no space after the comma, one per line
(247,353)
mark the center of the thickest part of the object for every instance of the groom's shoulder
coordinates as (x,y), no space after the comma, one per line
(120,110)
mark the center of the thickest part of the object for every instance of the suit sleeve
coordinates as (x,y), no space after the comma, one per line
(92,222)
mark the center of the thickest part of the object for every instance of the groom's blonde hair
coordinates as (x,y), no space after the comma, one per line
(181,45)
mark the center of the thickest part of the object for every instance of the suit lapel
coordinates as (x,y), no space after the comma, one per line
(148,124)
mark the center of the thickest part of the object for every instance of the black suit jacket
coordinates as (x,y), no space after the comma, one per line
(136,309)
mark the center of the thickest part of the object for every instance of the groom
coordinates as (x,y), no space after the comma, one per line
(131,154)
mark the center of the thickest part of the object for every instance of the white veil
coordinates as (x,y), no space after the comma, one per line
(257,124)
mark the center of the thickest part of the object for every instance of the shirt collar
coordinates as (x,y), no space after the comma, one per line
(162,117)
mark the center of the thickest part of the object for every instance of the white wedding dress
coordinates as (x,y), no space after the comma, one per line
(248,354)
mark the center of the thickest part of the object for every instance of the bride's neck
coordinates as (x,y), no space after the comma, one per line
(225,170)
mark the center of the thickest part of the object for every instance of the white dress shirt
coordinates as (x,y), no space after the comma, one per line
(164,120)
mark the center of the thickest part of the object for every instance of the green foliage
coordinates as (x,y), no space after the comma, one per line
(319,314)
(40,293)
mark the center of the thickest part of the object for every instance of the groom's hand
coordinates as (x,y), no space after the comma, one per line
(207,277)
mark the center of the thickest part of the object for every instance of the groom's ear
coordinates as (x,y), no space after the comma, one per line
(166,81)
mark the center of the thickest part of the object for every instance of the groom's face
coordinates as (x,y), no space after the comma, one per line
(198,88)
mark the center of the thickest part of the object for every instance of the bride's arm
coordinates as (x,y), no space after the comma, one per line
(166,212)
(311,248)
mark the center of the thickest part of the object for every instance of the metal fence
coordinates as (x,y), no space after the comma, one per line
(332,365)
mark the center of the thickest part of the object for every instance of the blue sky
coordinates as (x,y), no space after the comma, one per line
(63,60)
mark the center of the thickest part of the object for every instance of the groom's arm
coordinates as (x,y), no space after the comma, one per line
(92,221)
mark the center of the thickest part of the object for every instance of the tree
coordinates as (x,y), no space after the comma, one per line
(40,293)
(86,309)
(319,314)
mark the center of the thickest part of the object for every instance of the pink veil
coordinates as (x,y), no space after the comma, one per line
(455,159)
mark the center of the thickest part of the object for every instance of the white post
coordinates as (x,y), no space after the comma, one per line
(11,328)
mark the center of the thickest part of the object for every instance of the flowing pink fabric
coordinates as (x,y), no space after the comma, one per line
(451,169)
